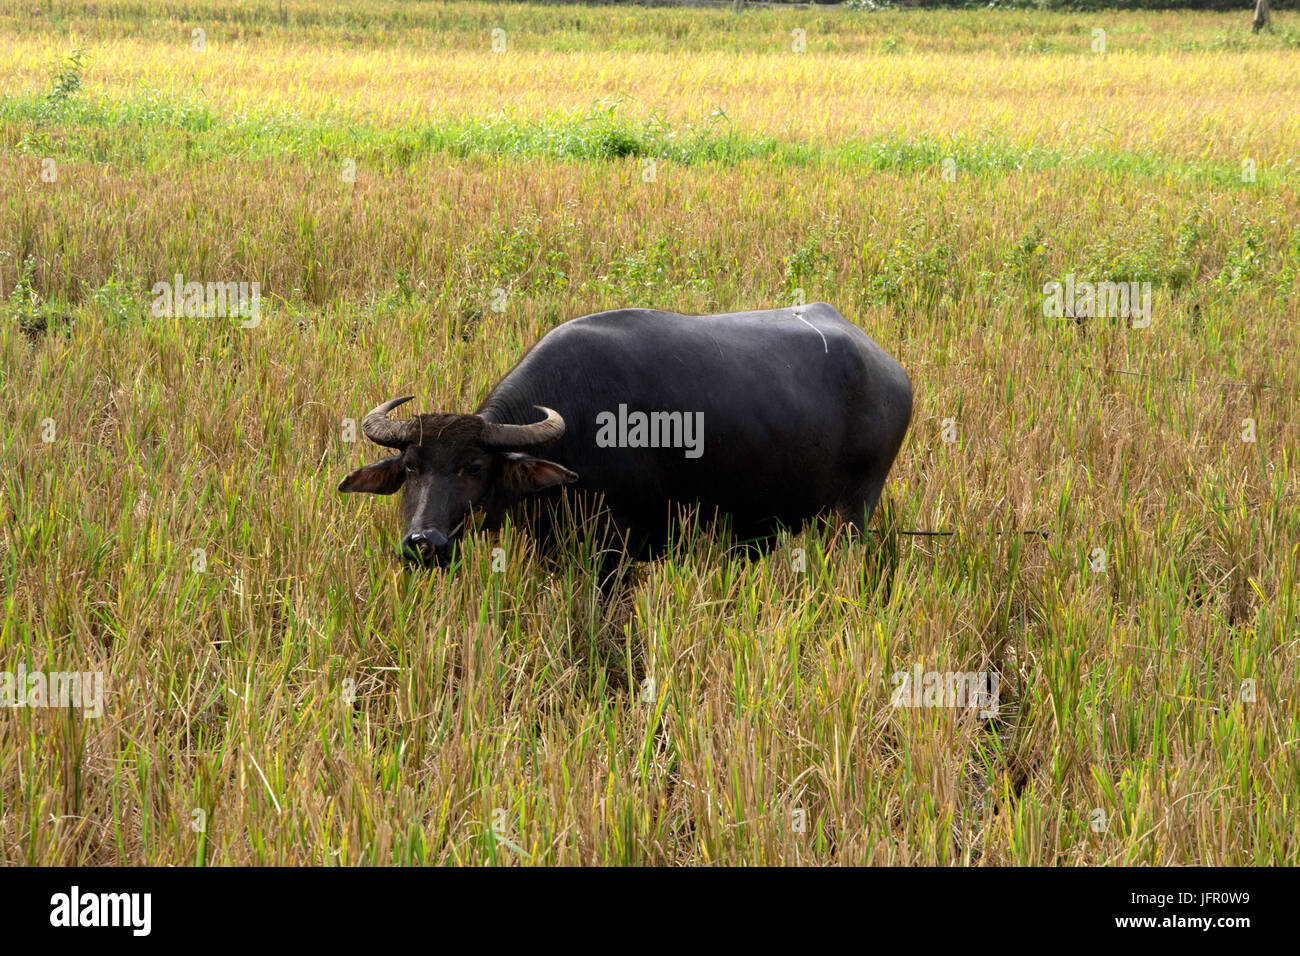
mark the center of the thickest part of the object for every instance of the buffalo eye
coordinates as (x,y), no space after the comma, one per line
(473,470)
(410,468)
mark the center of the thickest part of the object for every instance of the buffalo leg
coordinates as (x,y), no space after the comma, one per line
(856,508)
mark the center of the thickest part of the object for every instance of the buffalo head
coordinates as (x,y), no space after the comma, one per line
(449,466)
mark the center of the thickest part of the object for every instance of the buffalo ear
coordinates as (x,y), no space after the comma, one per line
(382,478)
(524,474)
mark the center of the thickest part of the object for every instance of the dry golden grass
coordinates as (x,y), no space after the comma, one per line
(1076,100)
(508,718)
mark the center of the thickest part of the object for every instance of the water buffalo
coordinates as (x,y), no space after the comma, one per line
(763,418)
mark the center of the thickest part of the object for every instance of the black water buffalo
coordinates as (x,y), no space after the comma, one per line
(763,418)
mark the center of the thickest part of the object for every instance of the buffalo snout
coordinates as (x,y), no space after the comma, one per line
(427,547)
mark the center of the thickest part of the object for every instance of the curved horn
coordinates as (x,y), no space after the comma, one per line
(507,437)
(382,430)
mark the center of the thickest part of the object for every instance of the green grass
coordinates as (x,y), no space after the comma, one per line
(1015,29)
(157,132)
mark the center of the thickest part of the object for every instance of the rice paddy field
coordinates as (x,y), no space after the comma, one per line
(421,190)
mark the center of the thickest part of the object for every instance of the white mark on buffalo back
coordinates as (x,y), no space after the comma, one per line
(798,314)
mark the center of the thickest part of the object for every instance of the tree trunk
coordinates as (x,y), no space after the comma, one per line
(1261,15)
(738,5)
